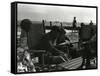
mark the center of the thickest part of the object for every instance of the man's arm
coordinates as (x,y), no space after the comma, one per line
(55,49)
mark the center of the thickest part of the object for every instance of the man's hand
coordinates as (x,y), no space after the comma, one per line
(63,54)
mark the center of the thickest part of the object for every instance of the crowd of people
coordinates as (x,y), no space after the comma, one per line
(51,42)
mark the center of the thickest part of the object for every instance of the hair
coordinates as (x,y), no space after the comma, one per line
(58,29)
(55,28)
(55,32)
(25,24)
(82,24)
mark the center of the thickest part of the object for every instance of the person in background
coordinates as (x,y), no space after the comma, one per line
(74,22)
(85,35)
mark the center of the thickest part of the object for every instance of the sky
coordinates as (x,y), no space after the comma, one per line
(56,13)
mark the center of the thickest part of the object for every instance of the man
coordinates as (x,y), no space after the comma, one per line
(85,35)
(74,22)
(24,57)
(51,40)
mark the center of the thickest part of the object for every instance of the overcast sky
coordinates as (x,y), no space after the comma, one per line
(56,13)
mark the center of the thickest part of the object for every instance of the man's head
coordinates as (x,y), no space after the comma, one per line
(55,29)
(82,24)
(25,24)
(58,29)
(91,23)
(74,18)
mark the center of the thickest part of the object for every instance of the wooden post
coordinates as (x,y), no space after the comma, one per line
(43,22)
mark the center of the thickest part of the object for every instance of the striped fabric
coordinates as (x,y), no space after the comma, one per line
(72,64)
